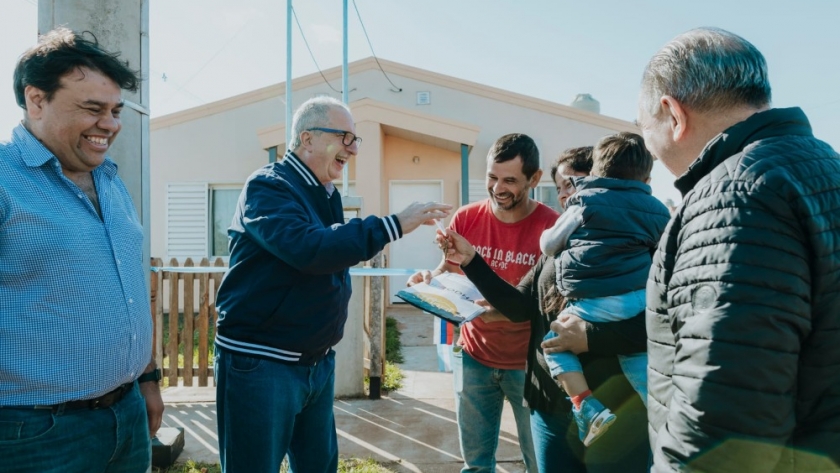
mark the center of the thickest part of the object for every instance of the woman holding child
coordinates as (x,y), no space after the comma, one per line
(559,448)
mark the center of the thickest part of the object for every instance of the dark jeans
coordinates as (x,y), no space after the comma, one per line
(109,440)
(267,409)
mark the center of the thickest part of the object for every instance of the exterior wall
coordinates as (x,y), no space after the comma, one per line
(367,168)
(434,163)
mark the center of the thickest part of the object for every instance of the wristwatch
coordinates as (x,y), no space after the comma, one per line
(153,375)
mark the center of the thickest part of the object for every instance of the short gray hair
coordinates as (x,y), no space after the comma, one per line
(312,114)
(707,69)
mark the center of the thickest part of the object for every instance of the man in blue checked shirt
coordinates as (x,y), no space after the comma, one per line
(283,304)
(78,392)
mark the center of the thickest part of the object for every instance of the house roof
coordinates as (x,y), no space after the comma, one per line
(370,63)
(396,121)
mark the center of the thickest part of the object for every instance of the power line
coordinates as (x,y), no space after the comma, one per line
(175,85)
(294,14)
(399,89)
(182,86)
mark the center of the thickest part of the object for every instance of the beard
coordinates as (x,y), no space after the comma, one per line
(511,202)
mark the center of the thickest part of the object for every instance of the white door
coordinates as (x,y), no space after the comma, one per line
(417,249)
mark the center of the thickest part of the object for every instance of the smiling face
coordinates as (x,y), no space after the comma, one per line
(325,153)
(507,185)
(81,120)
(563,181)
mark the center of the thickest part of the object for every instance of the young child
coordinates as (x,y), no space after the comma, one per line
(602,246)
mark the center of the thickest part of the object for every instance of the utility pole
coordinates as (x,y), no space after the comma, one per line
(119,26)
(345,93)
(288,75)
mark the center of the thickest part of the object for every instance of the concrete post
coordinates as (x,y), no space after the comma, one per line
(120,26)
(350,351)
(377,329)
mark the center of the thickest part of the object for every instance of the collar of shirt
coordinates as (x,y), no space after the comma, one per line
(35,154)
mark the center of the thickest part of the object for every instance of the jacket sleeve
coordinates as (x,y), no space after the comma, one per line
(739,297)
(555,239)
(275,217)
(519,304)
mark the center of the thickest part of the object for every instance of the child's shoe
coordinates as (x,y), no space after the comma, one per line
(593,420)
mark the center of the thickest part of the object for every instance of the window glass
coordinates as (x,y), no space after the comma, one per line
(222,205)
(547,194)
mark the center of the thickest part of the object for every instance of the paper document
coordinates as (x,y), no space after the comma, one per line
(450,296)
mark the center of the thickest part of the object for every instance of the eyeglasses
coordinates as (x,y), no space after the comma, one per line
(347,138)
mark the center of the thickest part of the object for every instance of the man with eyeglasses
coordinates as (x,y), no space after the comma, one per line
(283,304)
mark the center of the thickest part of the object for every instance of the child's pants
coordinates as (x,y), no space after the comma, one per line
(605,309)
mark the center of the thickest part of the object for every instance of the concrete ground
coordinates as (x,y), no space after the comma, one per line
(409,430)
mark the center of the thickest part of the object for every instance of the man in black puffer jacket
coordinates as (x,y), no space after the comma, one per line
(743,298)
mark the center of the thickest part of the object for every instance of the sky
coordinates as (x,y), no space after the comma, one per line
(206,50)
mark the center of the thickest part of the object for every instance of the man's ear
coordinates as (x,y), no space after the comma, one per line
(305,140)
(535,179)
(35,101)
(677,117)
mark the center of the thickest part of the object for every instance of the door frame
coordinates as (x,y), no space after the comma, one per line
(391,182)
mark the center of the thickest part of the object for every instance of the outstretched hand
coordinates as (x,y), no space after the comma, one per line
(422,213)
(457,248)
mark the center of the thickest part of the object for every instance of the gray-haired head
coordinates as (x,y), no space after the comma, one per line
(312,114)
(707,69)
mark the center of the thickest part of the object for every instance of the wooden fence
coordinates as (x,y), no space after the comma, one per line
(192,297)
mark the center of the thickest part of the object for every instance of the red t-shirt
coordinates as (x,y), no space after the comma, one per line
(511,249)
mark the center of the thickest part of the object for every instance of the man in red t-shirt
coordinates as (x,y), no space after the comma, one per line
(489,361)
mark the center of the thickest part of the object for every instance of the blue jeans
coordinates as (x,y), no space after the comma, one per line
(480,392)
(624,449)
(109,440)
(553,444)
(605,309)
(267,409)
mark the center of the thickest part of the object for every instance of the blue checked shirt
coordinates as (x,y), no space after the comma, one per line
(74,306)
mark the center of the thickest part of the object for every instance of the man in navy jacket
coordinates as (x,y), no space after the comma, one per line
(283,304)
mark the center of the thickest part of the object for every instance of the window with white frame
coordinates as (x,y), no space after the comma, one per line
(198,215)
(223,199)
(546,192)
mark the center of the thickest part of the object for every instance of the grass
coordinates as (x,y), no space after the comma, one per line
(348,465)
(393,347)
(393,377)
